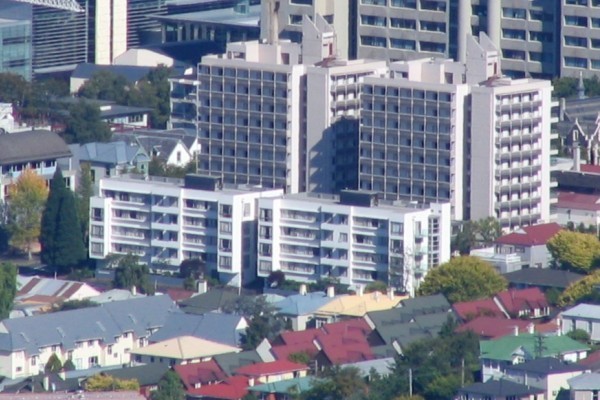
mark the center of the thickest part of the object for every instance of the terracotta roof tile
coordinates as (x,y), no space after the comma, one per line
(467,310)
(535,235)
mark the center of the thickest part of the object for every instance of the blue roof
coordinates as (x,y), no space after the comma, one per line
(215,327)
(105,322)
(299,304)
(130,72)
(114,153)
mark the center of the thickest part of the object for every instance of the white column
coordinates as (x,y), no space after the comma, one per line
(464,28)
(494,22)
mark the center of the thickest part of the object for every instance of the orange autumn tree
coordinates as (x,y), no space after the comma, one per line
(27,198)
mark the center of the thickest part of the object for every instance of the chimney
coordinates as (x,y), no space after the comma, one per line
(576,158)
(515,330)
(531,328)
(201,286)
(330,291)
(134,290)
(391,293)
(46,383)
(360,290)
(303,291)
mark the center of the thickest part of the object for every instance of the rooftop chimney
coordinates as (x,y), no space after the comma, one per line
(330,291)
(303,291)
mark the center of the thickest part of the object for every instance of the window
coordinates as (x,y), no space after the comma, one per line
(405,44)
(373,20)
(515,13)
(575,41)
(97,214)
(517,34)
(266,215)
(404,3)
(573,20)
(375,41)
(401,23)
(225,227)
(575,62)
(397,228)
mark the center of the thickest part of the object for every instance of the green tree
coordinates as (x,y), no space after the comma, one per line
(574,251)
(83,124)
(192,268)
(376,286)
(580,335)
(85,191)
(107,383)
(463,278)
(465,239)
(8,288)
(53,365)
(169,388)
(61,237)
(564,87)
(75,304)
(105,85)
(301,357)
(14,88)
(69,365)
(582,290)
(27,198)
(338,383)
(130,273)
(276,279)
(488,230)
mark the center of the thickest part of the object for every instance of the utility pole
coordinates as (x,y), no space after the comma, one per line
(410,388)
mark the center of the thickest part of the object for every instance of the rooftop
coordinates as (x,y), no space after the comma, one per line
(517,300)
(270,368)
(542,277)
(546,366)
(38,145)
(578,201)
(501,389)
(300,304)
(468,310)
(505,347)
(583,310)
(535,235)
(358,305)
(185,348)
(494,327)
(296,385)
(589,381)
(199,373)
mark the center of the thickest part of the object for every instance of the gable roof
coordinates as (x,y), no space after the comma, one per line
(583,310)
(185,348)
(295,385)
(358,305)
(504,347)
(105,322)
(299,304)
(146,375)
(270,368)
(589,381)
(213,300)
(37,145)
(535,235)
(216,327)
(56,289)
(232,388)
(546,366)
(516,300)
(494,327)
(230,362)
(578,201)
(113,153)
(500,388)
(199,373)
(544,277)
(468,310)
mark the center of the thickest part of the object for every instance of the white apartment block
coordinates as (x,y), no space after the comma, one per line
(355,237)
(165,221)
(510,151)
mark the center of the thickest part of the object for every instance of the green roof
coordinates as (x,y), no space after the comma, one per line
(296,385)
(505,347)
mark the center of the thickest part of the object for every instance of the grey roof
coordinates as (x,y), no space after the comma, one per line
(162,145)
(114,153)
(546,366)
(105,322)
(545,277)
(299,304)
(230,362)
(146,375)
(187,136)
(383,366)
(38,145)
(216,327)
(213,300)
(426,304)
(130,72)
(583,310)
(500,388)
(589,381)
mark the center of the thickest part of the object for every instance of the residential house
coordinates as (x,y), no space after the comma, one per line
(216,327)
(500,390)
(37,294)
(530,244)
(147,376)
(547,373)
(232,388)
(583,316)
(231,362)
(336,350)
(496,355)
(283,390)
(529,303)
(382,366)
(120,117)
(356,305)
(37,150)
(547,278)
(112,159)
(468,310)
(300,308)
(502,262)
(110,332)
(212,301)
(110,395)
(418,318)
(194,376)
(578,209)
(274,371)
(495,327)
(116,295)
(181,350)
(585,386)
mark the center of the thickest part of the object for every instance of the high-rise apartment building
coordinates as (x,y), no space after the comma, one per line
(354,237)
(165,221)
(15,36)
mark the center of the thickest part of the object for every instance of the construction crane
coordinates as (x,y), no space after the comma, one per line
(69,5)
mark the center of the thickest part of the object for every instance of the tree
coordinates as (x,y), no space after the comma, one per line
(53,365)
(61,237)
(580,335)
(338,384)
(107,383)
(192,268)
(69,365)
(8,288)
(169,388)
(276,279)
(300,357)
(14,88)
(585,289)
(83,124)
(85,191)
(564,87)
(376,286)
(130,273)
(105,85)
(575,251)
(463,278)
(488,230)
(75,304)
(27,198)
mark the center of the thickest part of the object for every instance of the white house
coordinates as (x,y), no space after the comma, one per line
(583,316)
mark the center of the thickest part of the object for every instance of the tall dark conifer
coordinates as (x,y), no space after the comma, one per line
(69,249)
(50,217)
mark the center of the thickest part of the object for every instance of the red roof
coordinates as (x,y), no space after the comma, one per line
(234,388)
(177,294)
(493,327)
(346,353)
(356,325)
(530,299)
(297,337)
(201,373)
(270,368)
(589,168)
(467,310)
(591,360)
(535,235)
(283,352)
(578,201)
